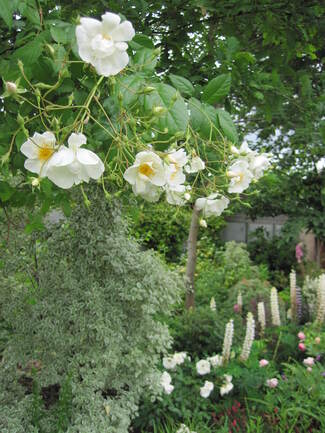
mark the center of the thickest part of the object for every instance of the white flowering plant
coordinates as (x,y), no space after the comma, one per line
(95,109)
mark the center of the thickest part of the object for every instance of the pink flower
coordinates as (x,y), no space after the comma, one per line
(236,308)
(301,336)
(309,362)
(301,347)
(299,252)
(263,362)
(272,383)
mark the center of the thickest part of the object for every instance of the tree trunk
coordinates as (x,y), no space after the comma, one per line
(191,260)
(318,252)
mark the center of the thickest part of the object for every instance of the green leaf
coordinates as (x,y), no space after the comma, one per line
(62,32)
(128,87)
(6,11)
(182,84)
(30,52)
(227,125)
(6,191)
(217,89)
(145,60)
(175,118)
(203,119)
(140,41)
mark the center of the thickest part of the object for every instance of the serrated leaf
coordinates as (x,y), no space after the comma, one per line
(184,86)
(227,125)
(217,89)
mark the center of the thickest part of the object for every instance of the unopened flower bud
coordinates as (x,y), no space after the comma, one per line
(301,336)
(11,87)
(86,120)
(301,347)
(159,110)
(36,182)
(187,196)
(148,89)
(317,340)
(203,223)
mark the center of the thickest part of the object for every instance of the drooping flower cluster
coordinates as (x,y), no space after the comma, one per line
(227,342)
(150,175)
(64,166)
(103,43)
(275,313)
(249,337)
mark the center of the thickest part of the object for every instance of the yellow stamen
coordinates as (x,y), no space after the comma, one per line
(44,153)
(146,169)
(107,37)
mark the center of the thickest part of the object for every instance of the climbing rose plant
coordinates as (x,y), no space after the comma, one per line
(110,118)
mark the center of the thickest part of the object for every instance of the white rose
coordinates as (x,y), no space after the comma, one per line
(226,388)
(203,367)
(146,175)
(196,164)
(213,205)
(39,150)
(165,382)
(102,43)
(73,165)
(240,176)
(206,390)
(169,363)
(175,194)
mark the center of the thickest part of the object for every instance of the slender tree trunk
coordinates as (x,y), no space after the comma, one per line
(318,251)
(191,260)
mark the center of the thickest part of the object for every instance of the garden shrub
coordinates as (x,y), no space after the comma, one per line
(229,266)
(84,347)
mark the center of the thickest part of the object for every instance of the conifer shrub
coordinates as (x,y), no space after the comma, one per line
(84,351)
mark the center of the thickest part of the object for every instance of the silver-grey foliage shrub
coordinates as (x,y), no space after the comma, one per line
(91,322)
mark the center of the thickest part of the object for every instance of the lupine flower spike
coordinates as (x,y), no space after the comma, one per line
(275,307)
(227,342)
(249,337)
(261,316)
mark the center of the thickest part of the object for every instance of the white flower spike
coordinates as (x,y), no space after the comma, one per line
(103,43)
